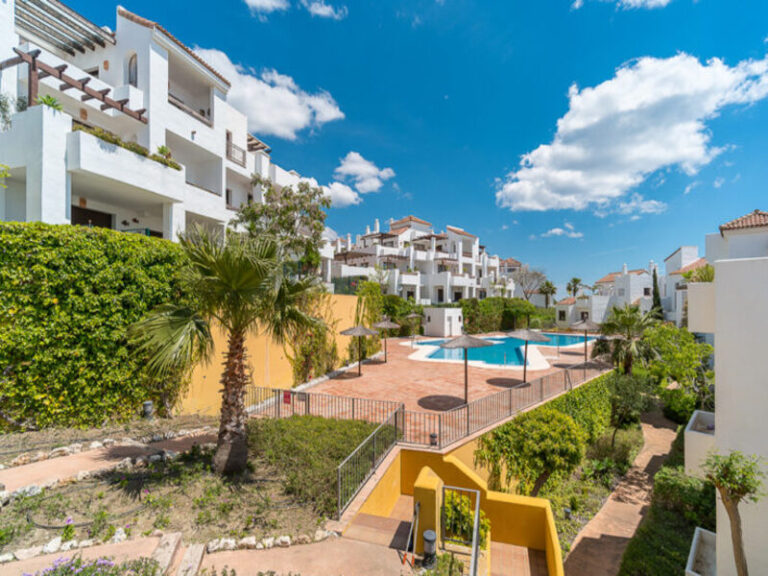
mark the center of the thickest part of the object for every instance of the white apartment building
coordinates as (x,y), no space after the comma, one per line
(674,289)
(613,290)
(733,308)
(415,262)
(140,84)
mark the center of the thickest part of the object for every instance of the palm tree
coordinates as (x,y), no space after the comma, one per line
(573,286)
(626,327)
(548,290)
(240,285)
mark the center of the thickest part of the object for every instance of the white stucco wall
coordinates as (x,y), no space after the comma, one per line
(699,442)
(443,322)
(701,307)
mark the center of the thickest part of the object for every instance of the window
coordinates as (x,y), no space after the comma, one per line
(646,291)
(133,70)
(229,197)
(585,315)
(561,315)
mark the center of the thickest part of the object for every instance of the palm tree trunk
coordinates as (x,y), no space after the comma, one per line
(232,446)
(734,517)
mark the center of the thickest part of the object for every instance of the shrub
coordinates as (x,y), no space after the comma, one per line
(68,294)
(589,406)
(621,453)
(459,519)
(447,565)
(692,497)
(679,405)
(101,567)
(134,147)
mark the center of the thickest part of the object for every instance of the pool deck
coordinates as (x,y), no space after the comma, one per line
(436,386)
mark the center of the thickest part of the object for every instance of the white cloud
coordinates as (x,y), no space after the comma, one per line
(263,7)
(718,183)
(651,115)
(627,4)
(367,177)
(567,231)
(322,10)
(639,205)
(342,195)
(691,187)
(273,102)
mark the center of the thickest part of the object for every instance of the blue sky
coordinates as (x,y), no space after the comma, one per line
(645,122)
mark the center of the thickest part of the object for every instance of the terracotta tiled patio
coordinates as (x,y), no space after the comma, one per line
(434,386)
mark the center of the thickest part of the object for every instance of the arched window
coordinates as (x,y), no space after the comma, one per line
(133,70)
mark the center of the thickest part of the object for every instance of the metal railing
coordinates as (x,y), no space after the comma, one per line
(456,502)
(360,465)
(236,154)
(410,542)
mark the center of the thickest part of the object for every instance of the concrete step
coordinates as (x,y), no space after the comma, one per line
(166,550)
(193,558)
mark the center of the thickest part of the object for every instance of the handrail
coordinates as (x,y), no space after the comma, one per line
(475,542)
(412,533)
(236,154)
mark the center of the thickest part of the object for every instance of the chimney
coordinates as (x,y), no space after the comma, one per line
(624,270)
(338,244)
(376,225)
(357,240)
(367,230)
(651,266)
(349,240)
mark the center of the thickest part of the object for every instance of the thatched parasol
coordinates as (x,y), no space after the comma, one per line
(386,324)
(528,336)
(359,332)
(466,342)
(587,326)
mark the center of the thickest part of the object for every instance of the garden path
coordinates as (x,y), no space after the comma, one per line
(598,548)
(66,467)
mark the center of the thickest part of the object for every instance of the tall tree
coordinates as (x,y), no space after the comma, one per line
(657,310)
(293,215)
(625,328)
(528,279)
(573,286)
(548,290)
(238,285)
(738,478)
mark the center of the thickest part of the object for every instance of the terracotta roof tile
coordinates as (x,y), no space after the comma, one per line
(406,220)
(700,263)
(756,219)
(613,275)
(150,24)
(459,231)
(567,301)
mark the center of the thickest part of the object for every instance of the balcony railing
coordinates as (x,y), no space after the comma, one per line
(184,108)
(236,154)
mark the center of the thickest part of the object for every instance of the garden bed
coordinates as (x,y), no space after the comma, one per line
(287,490)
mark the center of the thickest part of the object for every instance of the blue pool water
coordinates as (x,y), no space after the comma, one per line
(509,351)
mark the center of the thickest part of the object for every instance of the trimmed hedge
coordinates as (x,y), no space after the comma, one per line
(589,406)
(67,295)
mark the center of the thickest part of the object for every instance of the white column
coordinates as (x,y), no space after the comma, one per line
(174,221)
(8,39)
(48,187)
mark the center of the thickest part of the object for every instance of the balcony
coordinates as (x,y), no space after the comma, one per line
(236,154)
(699,441)
(702,557)
(178,103)
(701,307)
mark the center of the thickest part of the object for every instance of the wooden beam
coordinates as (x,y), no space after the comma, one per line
(82,82)
(120,103)
(60,68)
(10,63)
(90,93)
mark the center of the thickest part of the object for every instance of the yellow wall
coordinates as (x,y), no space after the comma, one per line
(268,361)
(384,497)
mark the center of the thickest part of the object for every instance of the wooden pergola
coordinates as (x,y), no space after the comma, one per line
(38,70)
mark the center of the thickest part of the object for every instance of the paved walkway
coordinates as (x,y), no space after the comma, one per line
(64,467)
(598,548)
(335,557)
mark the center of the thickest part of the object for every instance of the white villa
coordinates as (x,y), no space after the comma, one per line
(415,262)
(733,308)
(675,288)
(140,89)
(613,290)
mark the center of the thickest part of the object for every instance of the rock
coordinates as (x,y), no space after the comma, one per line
(5,497)
(125,464)
(50,485)
(38,457)
(120,536)
(228,544)
(75,448)
(21,460)
(83,475)
(169,455)
(155,458)
(95,445)
(52,546)
(283,541)
(259,546)
(85,544)
(268,543)
(303,539)
(247,543)
(107,442)
(165,551)
(157,438)
(213,546)
(7,557)
(320,535)
(27,553)
(190,563)
(2,467)
(68,545)
(59,452)
(31,490)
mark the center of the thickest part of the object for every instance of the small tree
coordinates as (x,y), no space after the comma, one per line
(294,216)
(629,400)
(656,310)
(626,326)
(547,289)
(529,280)
(737,478)
(681,357)
(573,286)
(532,448)
(704,274)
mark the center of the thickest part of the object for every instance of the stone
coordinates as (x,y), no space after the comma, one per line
(68,545)
(213,546)
(120,536)
(283,541)
(169,455)
(38,457)
(303,539)
(2,467)
(31,490)
(125,464)
(259,546)
(50,485)
(247,543)
(21,459)
(27,553)
(190,563)
(75,448)
(165,551)
(83,475)
(107,442)
(95,445)
(7,557)
(5,497)
(228,544)
(268,543)
(157,438)
(59,452)
(85,544)
(53,546)
(155,458)
(320,535)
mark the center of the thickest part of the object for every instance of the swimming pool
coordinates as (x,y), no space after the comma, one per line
(506,351)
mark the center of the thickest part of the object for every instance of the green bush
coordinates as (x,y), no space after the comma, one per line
(307,450)
(692,497)
(619,455)
(589,406)
(679,405)
(459,519)
(134,147)
(67,296)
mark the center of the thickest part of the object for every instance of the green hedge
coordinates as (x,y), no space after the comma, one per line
(67,295)
(589,405)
